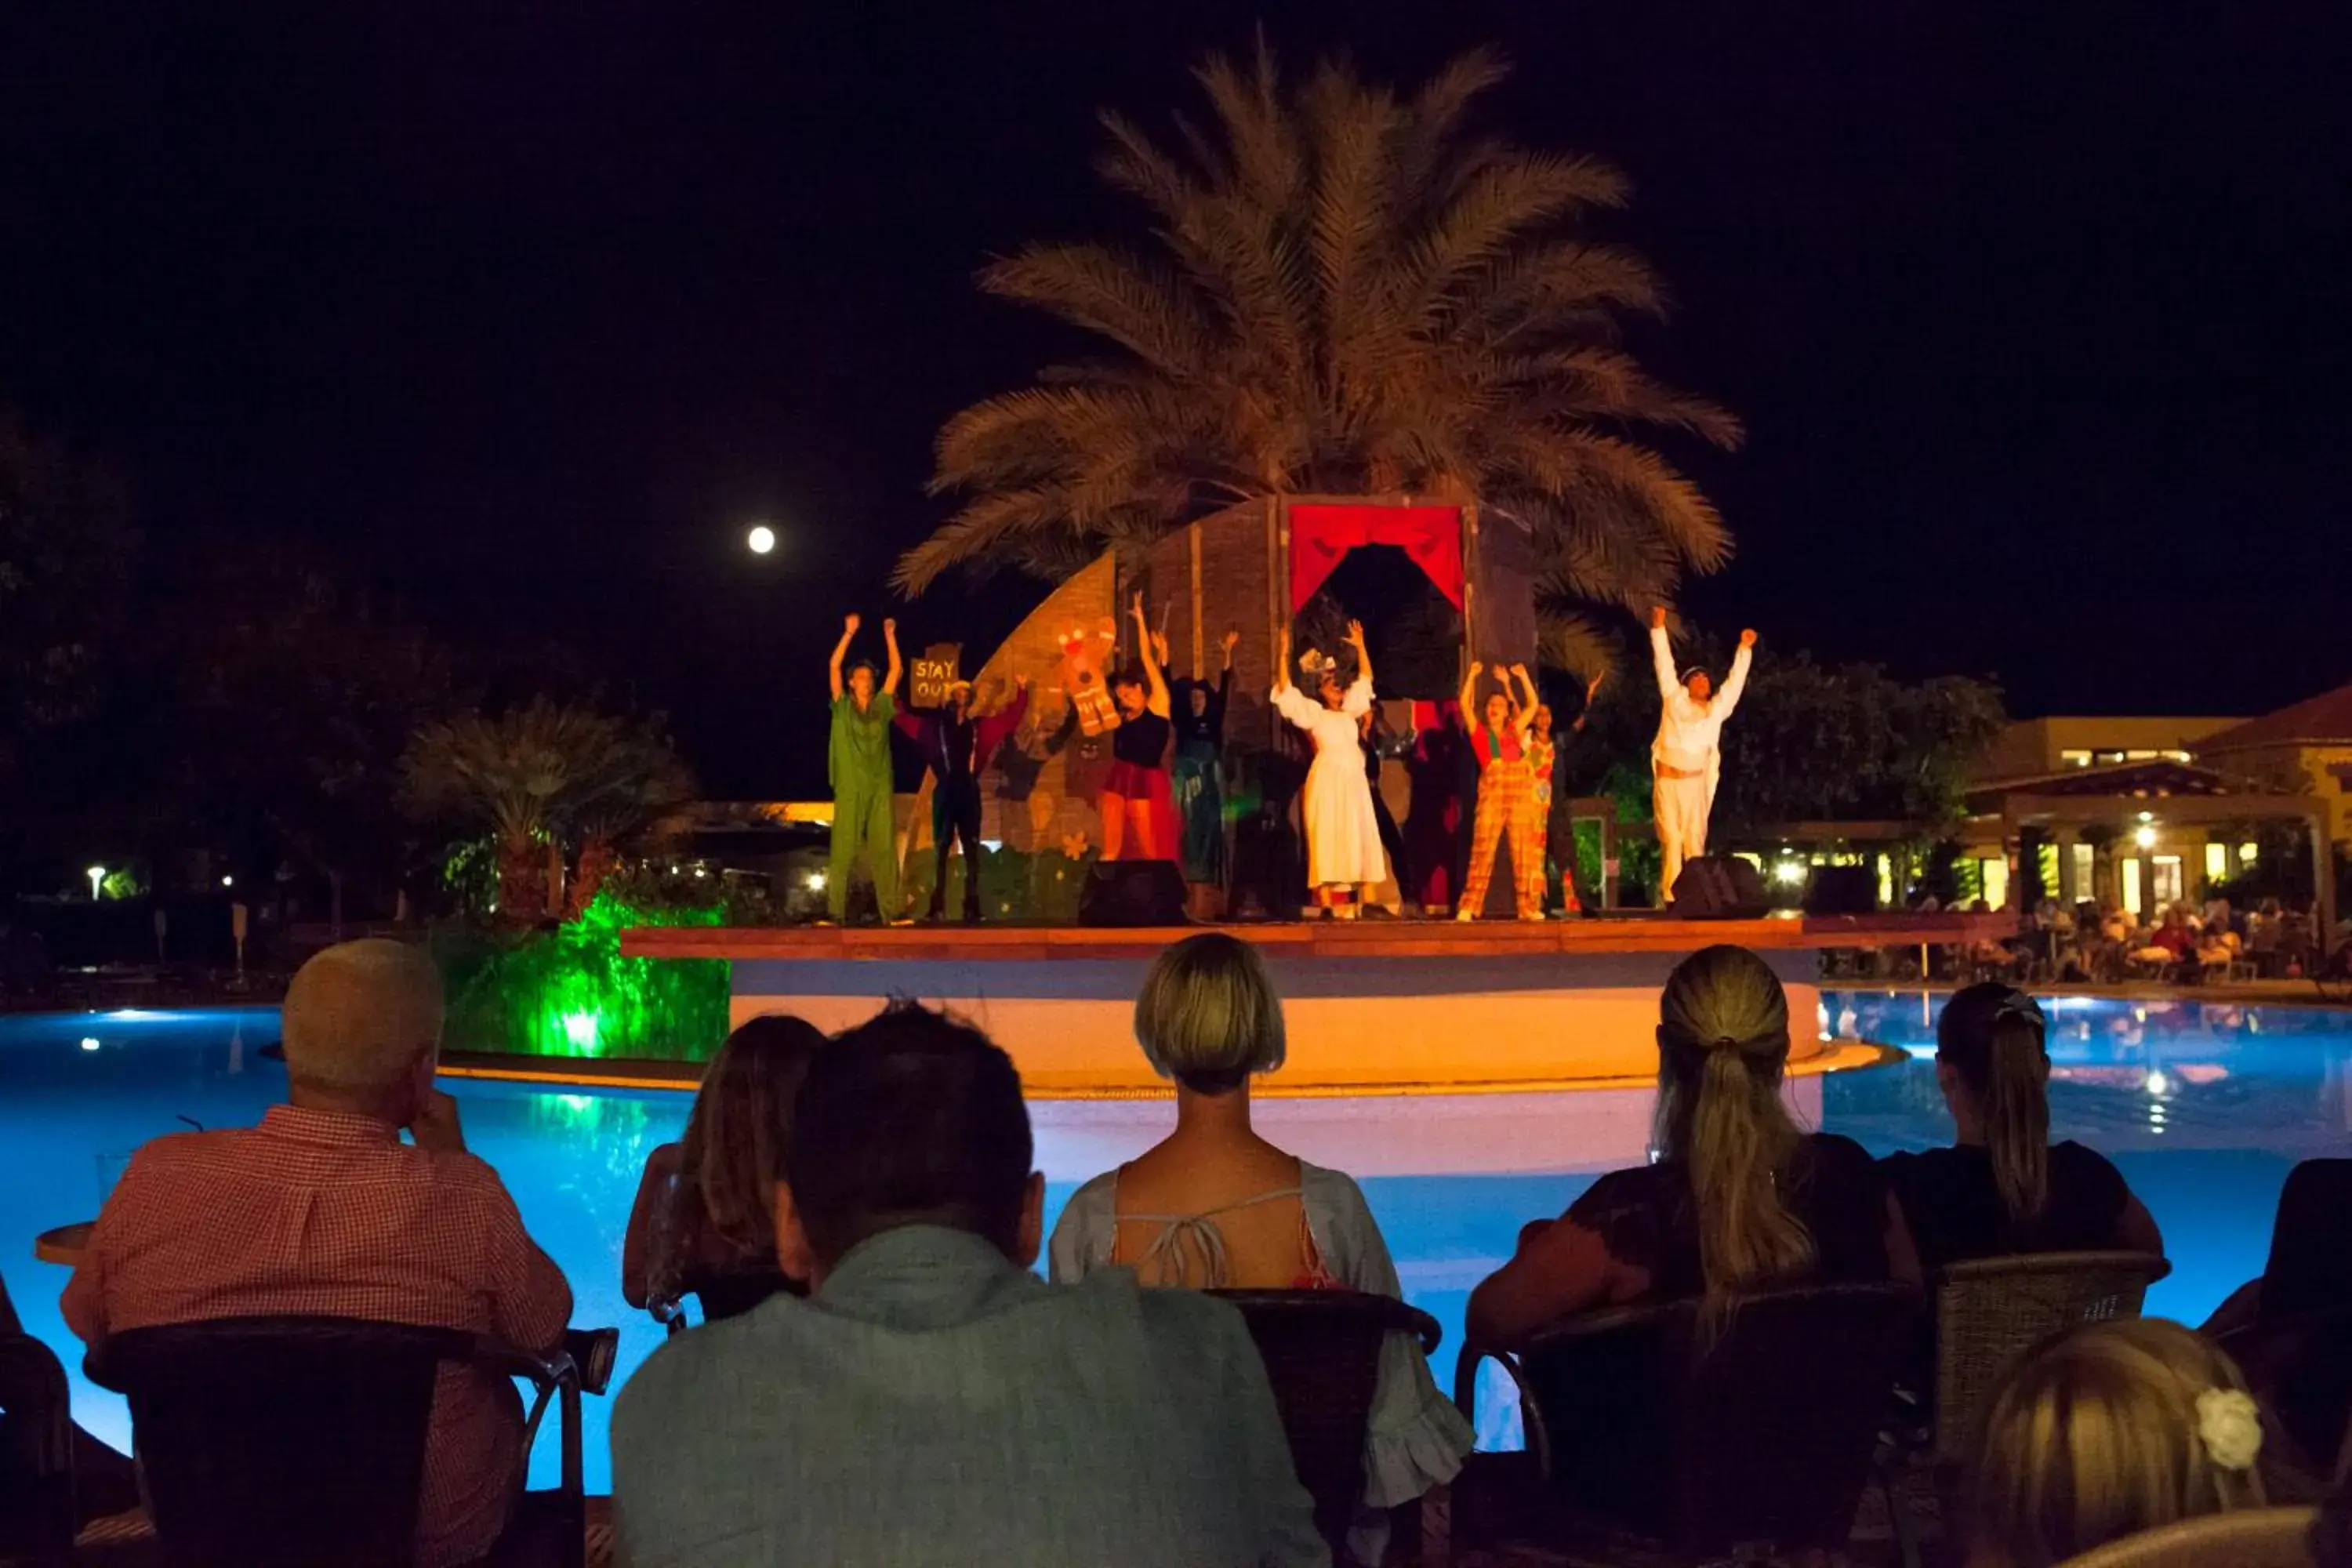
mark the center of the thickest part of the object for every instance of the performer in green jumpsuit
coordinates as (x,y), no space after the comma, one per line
(857,761)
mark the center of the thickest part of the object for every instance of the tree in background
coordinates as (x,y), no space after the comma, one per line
(289,702)
(1348,292)
(536,774)
(66,557)
(1818,742)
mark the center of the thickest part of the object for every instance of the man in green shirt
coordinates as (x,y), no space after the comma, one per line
(857,761)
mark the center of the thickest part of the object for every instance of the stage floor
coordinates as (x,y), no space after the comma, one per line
(1370,1007)
(1358,939)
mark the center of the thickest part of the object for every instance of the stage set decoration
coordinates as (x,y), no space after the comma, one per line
(1292,716)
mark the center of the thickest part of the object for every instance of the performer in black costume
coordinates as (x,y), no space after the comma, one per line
(957,744)
(1199,715)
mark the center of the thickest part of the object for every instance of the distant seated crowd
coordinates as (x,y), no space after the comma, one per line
(883,1377)
(2185,943)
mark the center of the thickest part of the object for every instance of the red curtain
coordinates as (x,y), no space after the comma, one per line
(1321,534)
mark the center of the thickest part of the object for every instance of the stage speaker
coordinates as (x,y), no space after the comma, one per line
(1133,893)
(1720,888)
(1841,890)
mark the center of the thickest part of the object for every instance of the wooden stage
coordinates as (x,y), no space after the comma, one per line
(1371,1007)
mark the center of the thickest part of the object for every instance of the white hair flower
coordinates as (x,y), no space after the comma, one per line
(2230,1426)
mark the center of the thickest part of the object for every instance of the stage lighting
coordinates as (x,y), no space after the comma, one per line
(761,539)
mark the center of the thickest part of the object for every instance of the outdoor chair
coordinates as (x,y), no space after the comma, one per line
(2250,1538)
(2300,1368)
(1761,1440)
(1987,1312)
(1322,1354)
(298,1442)
(729,1294)
(37,1515)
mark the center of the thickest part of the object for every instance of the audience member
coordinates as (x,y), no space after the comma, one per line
(2106,1430)
(704,1219)
(1738,1199)
(322,1209)
(1214,1205)
(2309,1270)
(933,1401)
(2003,1187)
(104,1481)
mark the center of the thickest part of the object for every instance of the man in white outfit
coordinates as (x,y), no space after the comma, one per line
(1686,757)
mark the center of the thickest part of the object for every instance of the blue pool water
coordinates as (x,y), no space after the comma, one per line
(2205,1106)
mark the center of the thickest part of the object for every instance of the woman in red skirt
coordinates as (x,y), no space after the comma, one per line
(1139,803)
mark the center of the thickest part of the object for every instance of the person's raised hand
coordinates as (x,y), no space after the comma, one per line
(1657,617)
(1138,607)
(1748,637)
(850,623)
(890,629)
(1593,685)
(1232,639)
(1477,668)
(1020,683)
(1520,671)
(1356,635)
(435,1125)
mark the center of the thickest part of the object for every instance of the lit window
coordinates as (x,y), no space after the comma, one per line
(2073,759)
(2165,883)
(2106,758)
(1992,877)
(2131,885)
(2141,756)
(2248,852)
(2086,871)
(2178,757)
(1886,881)
(2216,862)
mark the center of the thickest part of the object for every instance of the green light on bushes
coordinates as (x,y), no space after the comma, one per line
(569,991)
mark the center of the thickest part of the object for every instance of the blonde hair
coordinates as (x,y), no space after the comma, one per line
(1208,1015)
(360,1015)
(2096,1435)
(1723,1043)
(734,1148)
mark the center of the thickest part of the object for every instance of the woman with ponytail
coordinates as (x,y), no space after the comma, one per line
(1738,1199)
(2003,1187)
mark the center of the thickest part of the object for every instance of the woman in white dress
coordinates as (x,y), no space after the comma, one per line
(1344,860)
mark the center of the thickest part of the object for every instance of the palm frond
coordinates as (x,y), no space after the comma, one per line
(1344,289)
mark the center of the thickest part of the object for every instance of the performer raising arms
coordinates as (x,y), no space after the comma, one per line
(956,742)
(857,761)
(1343,836)
(1498,740)
(1200,720)
(1686,759)
(1548,804)
(1138,812)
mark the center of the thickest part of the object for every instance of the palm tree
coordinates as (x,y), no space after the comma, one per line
(1348,292)
(536,773)
(637,796)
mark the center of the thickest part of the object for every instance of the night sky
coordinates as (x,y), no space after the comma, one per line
(2036,312)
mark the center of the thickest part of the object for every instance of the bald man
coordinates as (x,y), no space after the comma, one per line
(324,1210)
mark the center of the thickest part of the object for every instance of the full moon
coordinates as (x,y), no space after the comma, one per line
(761,540)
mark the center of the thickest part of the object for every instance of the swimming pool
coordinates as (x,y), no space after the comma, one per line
(2204,1106)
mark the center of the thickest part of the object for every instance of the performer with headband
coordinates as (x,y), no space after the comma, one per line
(1686,759)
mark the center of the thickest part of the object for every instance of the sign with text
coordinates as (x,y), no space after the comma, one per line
(934,673)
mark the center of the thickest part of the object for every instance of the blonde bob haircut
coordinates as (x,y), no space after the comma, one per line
(2104,1431)
(1208,1015)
